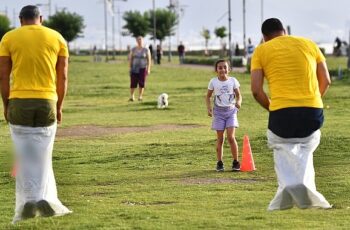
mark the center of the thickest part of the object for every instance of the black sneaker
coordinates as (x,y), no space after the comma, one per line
(44,208)
(29,210)
(236,166)
(220,166)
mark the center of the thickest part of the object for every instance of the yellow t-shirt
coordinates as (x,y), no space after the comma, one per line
(289,64)
(34,50)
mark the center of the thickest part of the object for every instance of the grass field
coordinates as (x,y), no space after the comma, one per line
(165,179)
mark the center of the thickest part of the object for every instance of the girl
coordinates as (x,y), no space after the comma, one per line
(227,102)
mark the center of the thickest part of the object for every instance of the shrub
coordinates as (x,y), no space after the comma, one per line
(339,73)
(236,61)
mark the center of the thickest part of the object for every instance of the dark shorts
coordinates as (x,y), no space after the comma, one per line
(138,78)
(32,112)
(296,122)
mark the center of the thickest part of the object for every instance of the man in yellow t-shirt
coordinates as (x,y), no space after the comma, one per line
(33,74)
(297,77)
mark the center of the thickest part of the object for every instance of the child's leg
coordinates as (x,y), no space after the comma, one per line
(232,141)
(219,144)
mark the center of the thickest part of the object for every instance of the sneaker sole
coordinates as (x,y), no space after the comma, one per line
(45,208)
(236,170)
(29,210)
(220,170)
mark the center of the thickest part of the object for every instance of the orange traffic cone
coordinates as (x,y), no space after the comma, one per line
(14,171)
(247,163)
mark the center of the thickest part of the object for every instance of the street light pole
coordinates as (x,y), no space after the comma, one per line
(119,29)
(106,33)
(49,5)
(113,26)
(113,32)
(154,31)
(262,10)
(14,18)
(244,29)
(348,64)
(229,31)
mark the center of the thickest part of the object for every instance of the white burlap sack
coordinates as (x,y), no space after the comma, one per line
(293,158)
(35,179)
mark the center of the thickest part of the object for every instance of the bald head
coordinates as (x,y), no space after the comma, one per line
(30,15)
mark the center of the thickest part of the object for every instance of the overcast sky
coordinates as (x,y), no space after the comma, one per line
(320,20)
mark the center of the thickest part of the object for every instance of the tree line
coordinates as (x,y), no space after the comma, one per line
(71,25)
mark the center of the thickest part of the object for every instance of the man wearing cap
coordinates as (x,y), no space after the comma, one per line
(297,77)
(33,74)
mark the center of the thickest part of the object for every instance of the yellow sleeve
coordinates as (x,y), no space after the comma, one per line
(4,51)
(63,48)
(256,61)
(319,55)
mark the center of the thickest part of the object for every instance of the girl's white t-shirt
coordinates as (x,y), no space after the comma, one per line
(224,94)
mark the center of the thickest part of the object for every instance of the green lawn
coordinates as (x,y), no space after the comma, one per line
(165,179)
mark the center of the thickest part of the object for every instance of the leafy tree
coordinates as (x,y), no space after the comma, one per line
(166,21)
(220,32)
(4,25)
(136,23)
(70,25)
(206,35)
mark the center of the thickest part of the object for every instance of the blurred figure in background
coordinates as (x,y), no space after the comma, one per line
(159,54)
(140,66)
(181,52)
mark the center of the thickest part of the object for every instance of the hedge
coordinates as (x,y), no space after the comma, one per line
(236,61)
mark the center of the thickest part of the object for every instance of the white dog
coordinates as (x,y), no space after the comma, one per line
(162,101)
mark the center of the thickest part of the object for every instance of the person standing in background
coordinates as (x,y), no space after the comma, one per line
(140,67)
(249,53)
(159,54)
(181,52)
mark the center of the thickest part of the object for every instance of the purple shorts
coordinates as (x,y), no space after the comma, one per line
(138,78)
(224,117)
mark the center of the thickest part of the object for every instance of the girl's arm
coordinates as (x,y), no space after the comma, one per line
(149,61)
(207,100)
(238,98)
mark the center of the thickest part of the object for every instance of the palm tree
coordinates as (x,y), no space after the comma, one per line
(206,35)
(220,32)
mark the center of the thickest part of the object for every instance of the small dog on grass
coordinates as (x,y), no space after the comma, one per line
(163,101)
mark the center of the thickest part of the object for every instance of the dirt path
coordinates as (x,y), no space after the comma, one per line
(97,131)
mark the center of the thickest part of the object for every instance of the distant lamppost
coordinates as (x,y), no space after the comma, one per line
(48,5)
(173,8)
(178,9)
(4,12)
(229,31)
(14,18)
(244,29)
(113,26)
(262,11)
(154,30)
(348,64)
(106,33)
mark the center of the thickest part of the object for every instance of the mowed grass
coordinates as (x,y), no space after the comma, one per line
(165,179)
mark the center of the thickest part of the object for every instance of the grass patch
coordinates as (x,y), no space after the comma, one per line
(165,179)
